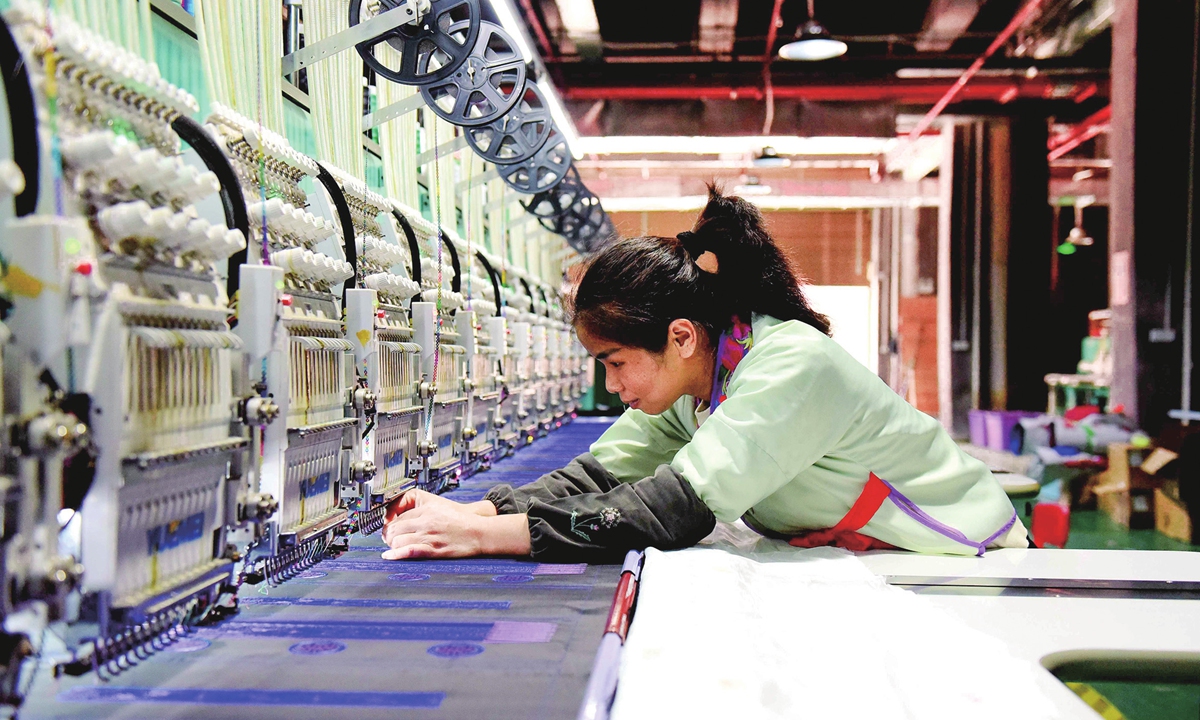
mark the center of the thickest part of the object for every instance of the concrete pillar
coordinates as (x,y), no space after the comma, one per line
(994,277)
(1152,97)
(1030,333)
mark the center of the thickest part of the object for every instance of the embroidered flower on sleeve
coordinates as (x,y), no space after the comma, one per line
(609,517)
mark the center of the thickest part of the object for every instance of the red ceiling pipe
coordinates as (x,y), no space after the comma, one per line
(1060,145)
(1018,20)
(1087,92)
(899,91)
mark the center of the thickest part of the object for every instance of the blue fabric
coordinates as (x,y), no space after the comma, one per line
(421,644)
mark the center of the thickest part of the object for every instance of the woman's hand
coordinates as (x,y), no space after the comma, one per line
(420,498)
(423,525)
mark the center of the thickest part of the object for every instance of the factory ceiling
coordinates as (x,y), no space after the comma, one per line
(698,67)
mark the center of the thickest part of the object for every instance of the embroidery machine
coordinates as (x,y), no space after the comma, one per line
(232,338)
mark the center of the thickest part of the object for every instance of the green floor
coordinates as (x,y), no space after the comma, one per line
(1143,701)
(1092,529)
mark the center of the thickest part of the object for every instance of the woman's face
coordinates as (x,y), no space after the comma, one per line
(647,381)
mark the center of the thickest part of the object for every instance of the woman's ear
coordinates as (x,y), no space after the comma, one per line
(684,336)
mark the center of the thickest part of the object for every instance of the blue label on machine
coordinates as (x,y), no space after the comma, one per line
(315,486)
(395,459)
(175,533)
(446,440)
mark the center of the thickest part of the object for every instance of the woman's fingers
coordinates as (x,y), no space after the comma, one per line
(409,552)
(401,525)
(403,504)
(436,529)
(401,539)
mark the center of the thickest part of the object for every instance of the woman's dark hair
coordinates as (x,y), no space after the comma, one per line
(633,289)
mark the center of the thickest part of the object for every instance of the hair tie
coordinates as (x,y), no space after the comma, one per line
(698,248)
(687,239)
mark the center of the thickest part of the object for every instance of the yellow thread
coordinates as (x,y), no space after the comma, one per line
(1096,701)
(51,76)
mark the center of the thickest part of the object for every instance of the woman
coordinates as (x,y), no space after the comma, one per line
(740,406)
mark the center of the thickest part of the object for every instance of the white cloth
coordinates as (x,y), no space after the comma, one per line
(749,627)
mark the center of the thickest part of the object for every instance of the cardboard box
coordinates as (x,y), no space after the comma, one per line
(1125,466)
(1171,488)
(1171,517)
(1158,459)
(1114,501)
(1132,507)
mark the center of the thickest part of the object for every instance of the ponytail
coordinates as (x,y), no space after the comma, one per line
(634,288)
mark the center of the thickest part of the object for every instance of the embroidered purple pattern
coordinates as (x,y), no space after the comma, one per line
(732,346)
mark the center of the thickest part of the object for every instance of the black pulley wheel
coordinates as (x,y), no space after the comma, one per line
(589,241)
(516,135)
(485,86)
(429,51)
(541,172)
(558,199)
(565,222)
(586,209)
(583,219)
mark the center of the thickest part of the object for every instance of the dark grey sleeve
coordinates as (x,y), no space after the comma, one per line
(661,511)
(582,475)
(582,513)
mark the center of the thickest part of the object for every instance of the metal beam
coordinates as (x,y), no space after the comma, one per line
(1097,124)
(521,221)
(919,91)
(945,21)
(445,148)
(490,175)
(393,111)
(502,202)
(718,23)
(1023,15)
(347,39)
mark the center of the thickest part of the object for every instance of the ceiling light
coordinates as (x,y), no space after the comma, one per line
(1078,237)
(768,157)
(813,42)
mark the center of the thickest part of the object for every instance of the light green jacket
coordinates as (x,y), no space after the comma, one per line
(792,446)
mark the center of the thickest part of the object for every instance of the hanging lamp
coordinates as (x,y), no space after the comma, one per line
(813,42)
